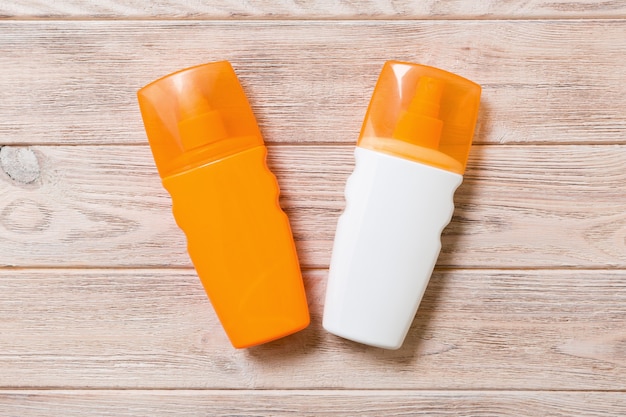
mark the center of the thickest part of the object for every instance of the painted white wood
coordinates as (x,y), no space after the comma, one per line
(475,329)
(124,403)
(74,82)
(316,9)
(510,317)
(518,207)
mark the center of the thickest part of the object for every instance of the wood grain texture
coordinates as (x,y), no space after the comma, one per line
(486,329)
(318,9)
(101,313)
(543,81)
(519,207)
(310,403)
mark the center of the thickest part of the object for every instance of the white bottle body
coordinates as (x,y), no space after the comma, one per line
(386,246)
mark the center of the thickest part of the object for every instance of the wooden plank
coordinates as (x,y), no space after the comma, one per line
(476,329)
(122,403)
(544,81)
(319,9)
(520,206)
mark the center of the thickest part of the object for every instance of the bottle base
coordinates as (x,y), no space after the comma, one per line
(364,339)
(248,344)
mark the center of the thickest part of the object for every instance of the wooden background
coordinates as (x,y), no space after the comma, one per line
(102,314)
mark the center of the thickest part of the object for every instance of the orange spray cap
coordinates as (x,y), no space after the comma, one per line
(197,115)
(423,114)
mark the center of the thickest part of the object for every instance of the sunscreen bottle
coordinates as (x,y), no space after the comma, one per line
(212,160)
(410,159)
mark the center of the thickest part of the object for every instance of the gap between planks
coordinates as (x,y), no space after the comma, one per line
(295,391)
(320,9)
(147,268)
(338,19)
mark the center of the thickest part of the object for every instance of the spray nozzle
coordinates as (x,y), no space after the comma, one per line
(199,125)
(420,123)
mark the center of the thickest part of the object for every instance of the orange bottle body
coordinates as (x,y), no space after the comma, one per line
(212,161)
(240,243)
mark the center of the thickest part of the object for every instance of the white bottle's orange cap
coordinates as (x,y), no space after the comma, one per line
(195,115)
(423,114)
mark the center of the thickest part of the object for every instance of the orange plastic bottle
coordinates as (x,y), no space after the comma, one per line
(211,157)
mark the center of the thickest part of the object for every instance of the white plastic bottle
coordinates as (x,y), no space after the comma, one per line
(410,159)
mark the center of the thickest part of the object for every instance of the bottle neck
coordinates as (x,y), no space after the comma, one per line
(210,153)
(412,152)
